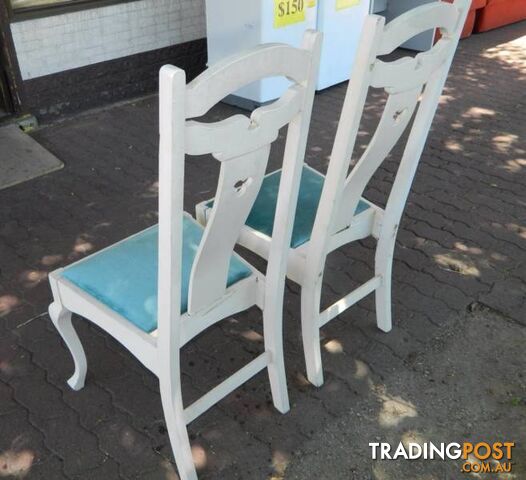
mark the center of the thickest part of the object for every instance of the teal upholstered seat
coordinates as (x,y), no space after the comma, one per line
(124,276)
(261,217)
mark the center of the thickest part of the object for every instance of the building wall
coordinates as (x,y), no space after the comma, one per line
(62,42)
(79,60)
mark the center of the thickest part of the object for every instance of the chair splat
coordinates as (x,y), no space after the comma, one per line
(239,182)
(397,115)
(242,145)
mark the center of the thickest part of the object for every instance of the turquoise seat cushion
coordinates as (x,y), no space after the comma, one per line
(261,217)
(124,276)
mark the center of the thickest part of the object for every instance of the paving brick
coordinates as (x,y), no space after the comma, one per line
(108,470)
(143,406)
(21,444)
(93,404)
(508,296)
(14,361)
(77,447)
(51,467)
(130,448)
(229,449)
(7,403)
(39,397)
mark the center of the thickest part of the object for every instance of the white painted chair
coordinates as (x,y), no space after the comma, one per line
(156,290)
(331,210)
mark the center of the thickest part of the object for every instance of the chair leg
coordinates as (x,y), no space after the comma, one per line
(200,214)
(176,426)
(273,334)
(310,331)
(383,268)
(61,318)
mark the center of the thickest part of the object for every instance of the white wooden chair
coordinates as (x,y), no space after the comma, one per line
(331,210)
(156,290)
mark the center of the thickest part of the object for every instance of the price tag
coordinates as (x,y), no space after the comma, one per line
(342,4)
(288,12)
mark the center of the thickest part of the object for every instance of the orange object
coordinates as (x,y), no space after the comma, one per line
(498,13)
(470,23)
(470,20)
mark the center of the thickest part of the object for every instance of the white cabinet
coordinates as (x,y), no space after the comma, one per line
(236,25)
(421,42)
(341,22)
(378,6)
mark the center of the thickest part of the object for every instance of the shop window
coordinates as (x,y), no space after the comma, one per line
(25,9)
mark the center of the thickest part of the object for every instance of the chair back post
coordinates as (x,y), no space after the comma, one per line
(172,85)
(419,133)
(343,146)
(293,159)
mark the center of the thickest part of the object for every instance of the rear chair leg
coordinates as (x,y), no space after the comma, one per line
(200,214)
(310,330)
(61,318)
(273,334)
(177,431)
(383,268)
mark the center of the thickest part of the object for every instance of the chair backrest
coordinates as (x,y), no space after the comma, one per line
(412,84)
(241,144)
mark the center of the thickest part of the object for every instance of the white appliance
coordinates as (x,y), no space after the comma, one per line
(341,22)
(378,6)
(421,42)
(236,25)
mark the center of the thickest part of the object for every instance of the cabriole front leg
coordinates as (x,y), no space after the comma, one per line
(61,318)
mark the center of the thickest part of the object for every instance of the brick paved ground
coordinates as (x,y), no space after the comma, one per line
(451,370)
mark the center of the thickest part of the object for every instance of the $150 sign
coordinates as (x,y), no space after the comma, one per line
(288,12)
